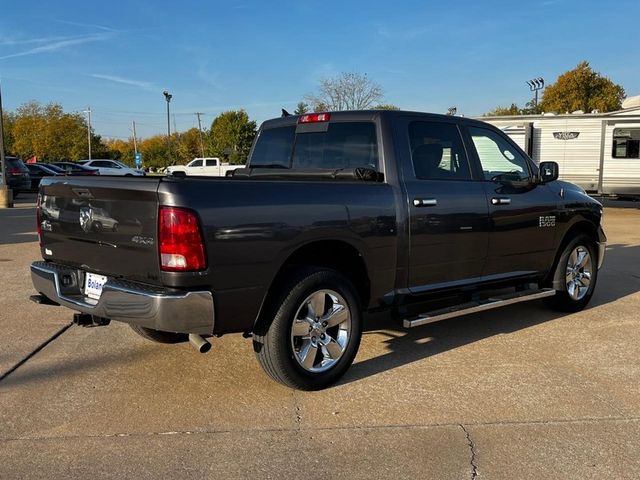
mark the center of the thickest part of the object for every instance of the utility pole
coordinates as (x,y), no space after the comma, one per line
(88,112)
(5,191)
(200,128)
(135,140)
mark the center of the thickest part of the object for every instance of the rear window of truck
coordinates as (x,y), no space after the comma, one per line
(343,145)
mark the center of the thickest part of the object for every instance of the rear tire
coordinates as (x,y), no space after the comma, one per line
(314,330)
(575,275)
(159,336)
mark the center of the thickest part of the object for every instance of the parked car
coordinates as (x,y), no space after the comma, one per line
(426,216)
(112,167)
(212,167)
(18,178)
(37,172)
(72,168)
(55,168)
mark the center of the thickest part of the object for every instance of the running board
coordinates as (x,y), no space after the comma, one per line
(478,306)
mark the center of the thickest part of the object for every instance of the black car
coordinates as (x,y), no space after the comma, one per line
(37,172)
(71,168)
(18,178)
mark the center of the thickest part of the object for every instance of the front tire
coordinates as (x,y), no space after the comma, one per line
(575,275)
(315,332)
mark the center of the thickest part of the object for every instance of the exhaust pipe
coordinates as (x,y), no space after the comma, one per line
(199,343)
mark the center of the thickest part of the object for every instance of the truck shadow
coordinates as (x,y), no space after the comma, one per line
(404,346)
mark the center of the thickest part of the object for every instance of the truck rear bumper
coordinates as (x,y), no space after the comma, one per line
(163,309)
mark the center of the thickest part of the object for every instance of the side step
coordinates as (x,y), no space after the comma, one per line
(478,306)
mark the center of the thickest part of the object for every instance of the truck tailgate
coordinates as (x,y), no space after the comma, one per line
(102,225)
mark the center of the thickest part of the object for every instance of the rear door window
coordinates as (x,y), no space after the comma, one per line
(343,145)
(437,152)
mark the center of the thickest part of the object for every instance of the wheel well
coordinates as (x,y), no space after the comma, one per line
(334,254)
(582,227)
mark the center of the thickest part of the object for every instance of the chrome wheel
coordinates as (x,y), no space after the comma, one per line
(321,330)
(578,273)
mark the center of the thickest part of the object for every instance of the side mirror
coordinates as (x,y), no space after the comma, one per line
(548,172)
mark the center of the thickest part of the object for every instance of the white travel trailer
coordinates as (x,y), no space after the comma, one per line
(598,151)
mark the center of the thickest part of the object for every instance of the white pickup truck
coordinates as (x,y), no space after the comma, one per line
(211,166)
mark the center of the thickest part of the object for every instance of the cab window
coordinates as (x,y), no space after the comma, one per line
(499,159)
(437,152)
(196,163)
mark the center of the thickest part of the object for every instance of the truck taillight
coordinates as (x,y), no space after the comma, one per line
(15,171)
(314,118)
(180,240)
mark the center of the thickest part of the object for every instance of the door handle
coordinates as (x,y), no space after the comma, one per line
(501,201)
(425,202)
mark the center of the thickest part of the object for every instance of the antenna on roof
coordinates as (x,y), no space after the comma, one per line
(285,113)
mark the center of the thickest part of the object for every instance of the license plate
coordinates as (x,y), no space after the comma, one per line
(93,285)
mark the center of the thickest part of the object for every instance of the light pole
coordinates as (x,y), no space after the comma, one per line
(5,191)
(535,85)
(88,112)
(200,129)
(167,97)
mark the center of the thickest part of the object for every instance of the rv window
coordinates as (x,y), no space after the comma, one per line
(626,143)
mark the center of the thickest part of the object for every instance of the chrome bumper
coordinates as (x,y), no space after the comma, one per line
(129,302)
(602,246)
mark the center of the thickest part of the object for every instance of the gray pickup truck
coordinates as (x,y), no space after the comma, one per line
(336,214)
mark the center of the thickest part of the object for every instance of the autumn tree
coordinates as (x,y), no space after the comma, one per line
(582,89)
(233,132)
(347,91)
(48,133)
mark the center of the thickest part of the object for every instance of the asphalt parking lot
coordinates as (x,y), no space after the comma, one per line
(516,393)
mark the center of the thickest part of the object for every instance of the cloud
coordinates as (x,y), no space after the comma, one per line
(58,44)
(126,81)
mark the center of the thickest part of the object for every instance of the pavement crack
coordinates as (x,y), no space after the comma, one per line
(472,448)
(35,351)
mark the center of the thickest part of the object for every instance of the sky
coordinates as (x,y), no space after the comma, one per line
(118,56)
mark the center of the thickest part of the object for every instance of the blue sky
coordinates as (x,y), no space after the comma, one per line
(118,56)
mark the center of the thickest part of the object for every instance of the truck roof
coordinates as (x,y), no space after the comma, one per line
(368,115)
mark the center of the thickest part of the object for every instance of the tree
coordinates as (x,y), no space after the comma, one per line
(48,133)
(582,89)
(301,108)
(499,111)
(385,106)
(232,131)
(347,91)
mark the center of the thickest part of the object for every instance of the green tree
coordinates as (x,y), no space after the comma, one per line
(301,108)
(347,91)
(232,131)
(500,111)
(155,152)
(188,146)
(385,106)
(582,89)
